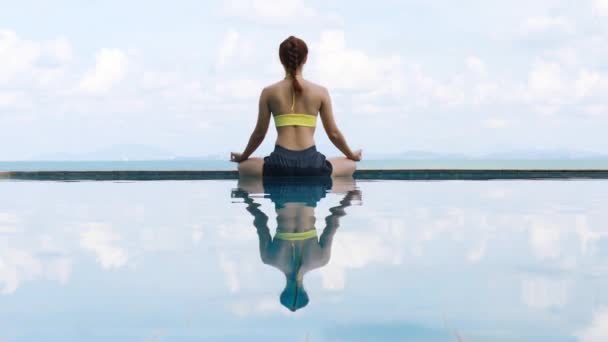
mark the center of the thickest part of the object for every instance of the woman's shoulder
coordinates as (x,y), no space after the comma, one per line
(314,90)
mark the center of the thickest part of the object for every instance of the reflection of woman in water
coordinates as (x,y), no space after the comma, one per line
(296,248)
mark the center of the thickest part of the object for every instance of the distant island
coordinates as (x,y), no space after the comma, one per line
(140,152)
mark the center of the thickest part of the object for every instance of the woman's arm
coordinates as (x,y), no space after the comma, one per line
(259,131)
(260,222)
(333,133)
(332,222)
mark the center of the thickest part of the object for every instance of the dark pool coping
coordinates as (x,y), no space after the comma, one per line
(370,174)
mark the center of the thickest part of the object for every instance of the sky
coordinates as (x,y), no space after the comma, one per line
(467,77)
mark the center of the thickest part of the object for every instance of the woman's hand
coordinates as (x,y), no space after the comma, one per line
(236,157)
(356,156)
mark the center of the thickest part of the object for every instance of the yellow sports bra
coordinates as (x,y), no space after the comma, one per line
(309,234)
(295,119)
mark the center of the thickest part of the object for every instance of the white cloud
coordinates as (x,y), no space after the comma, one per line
(228,48)
(542,293)
(159,79)
(197,235)
(110,68)
(476,254)
(15,267)
(587,83)
(342,67)
(8,98)
(597,330)
(14,99)
(100,239)
(230,270)
(544,24)
(545,240)
(551,86)
(30,61)
(8,222)
(566,56)
(600,8)
(588,236)
(351,250)
(495,123)
(16,55)
(546,110)
(59,50)
(18,265)
(238,88)
(597,110)
(235,50)
(476,65)
(545,81)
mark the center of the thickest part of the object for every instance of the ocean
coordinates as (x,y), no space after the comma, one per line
(195,165)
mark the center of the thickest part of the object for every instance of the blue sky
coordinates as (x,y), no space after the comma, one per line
(469,77)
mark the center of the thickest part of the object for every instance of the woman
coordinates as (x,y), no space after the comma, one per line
(296,249)
(294,103)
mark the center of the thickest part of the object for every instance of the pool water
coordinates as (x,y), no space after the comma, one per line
(389,260)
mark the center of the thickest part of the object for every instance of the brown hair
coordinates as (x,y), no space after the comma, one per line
(292,53)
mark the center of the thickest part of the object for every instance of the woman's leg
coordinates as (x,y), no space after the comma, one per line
(342,167)
(251,167)
(252,185)
(342,185)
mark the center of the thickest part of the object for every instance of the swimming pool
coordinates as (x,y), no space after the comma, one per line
(409,260)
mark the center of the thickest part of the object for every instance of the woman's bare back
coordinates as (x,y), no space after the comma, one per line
(309,101)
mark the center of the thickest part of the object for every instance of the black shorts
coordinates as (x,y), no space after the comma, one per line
(308,190)
(283,162)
